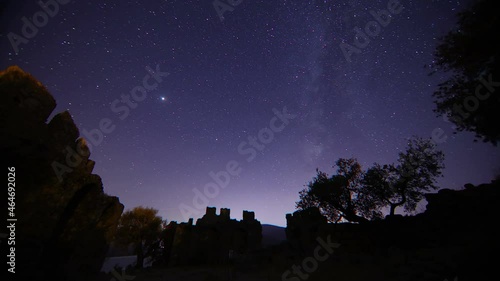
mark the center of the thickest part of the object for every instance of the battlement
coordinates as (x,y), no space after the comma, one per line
(213,237)
(248,216)
(225,213)
(211,212)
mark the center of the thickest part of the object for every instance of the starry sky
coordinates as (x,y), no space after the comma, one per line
(220,82)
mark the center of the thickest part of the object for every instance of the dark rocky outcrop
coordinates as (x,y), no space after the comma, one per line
(65,220)
(455,237)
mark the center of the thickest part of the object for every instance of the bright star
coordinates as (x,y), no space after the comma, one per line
(163,99)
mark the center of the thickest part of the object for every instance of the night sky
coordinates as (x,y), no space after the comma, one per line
(227,79)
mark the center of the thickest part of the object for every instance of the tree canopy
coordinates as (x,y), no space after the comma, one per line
(404,183)
(141,227)
(358,196)
(470,53)
(340,197)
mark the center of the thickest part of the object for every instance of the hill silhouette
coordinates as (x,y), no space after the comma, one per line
(272,235)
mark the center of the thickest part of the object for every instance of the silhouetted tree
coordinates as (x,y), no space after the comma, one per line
(340,196)
(308,199)
(157,249)
(471,53)
(140,227)
(404,184)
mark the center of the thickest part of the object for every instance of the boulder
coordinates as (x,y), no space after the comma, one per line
(65,220)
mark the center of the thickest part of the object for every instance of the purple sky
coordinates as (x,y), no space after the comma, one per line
(225,78)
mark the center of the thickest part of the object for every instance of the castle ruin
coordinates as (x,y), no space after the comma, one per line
(215,239)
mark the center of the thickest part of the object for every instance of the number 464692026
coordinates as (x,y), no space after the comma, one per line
(11,189)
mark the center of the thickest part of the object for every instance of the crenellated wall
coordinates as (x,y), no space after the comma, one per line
(213,240)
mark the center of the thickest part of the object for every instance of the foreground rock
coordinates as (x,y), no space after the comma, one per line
(65,221)
(214,240)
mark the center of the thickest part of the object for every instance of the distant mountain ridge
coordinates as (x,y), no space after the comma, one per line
(272,235)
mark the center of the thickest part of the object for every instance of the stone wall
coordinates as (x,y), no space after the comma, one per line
(215,239)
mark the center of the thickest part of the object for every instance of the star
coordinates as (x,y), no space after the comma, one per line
(219,100)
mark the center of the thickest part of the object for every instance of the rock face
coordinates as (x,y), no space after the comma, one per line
(455,237)
(65,221)
(215,239)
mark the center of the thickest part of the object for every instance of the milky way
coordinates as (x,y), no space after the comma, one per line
(187,92)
